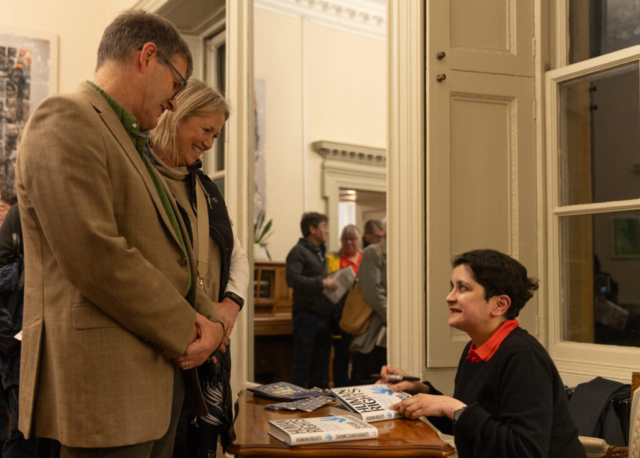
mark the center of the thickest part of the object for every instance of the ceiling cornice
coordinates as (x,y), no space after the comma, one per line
(351,153)
(362,17)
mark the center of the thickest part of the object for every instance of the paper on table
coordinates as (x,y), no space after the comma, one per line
(306,405)
(344,278)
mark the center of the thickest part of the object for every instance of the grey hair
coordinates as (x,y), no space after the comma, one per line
(350,229)
(372,224)
(197,99)
(133,29)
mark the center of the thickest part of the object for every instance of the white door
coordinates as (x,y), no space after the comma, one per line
(481,163)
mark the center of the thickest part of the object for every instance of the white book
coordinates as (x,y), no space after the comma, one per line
(301,431)
(371,402)
(344,279)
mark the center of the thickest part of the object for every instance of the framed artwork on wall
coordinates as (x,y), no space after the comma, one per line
(625,237)
(28,74)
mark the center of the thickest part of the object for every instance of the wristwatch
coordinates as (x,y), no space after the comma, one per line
(456,415)
(235,298)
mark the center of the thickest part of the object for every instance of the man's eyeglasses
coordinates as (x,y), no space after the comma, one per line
(184,81)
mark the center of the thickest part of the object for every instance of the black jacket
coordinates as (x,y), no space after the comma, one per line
(10,320)
(306,268)
(220,228)
(516,405)
(218,374)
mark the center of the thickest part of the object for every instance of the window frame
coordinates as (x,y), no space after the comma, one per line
(211,45)
(574,357)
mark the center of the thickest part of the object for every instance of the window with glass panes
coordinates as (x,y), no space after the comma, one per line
(593,178)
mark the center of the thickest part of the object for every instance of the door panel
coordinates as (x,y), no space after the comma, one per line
(481,188)
(493,36)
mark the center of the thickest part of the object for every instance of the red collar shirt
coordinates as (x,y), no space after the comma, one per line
(344,262)
(488,349)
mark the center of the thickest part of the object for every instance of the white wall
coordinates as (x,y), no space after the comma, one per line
(278,60)
(343,79)
(79,25)
(117,6)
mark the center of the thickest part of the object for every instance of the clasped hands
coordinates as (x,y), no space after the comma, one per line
(209,336)
(421,404)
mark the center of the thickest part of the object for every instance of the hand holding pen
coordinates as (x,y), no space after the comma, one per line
(407,383)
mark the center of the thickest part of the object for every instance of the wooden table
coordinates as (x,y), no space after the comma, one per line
(396,438)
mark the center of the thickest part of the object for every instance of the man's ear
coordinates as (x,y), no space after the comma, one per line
(503,302)
(149,50)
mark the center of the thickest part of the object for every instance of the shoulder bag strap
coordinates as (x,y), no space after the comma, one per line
(203,232)
(379,251)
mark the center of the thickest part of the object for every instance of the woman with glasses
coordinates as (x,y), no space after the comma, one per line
(508,400)
(175,148)
(348,256)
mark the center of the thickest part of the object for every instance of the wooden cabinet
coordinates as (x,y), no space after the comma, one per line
(273,328)
(272,299)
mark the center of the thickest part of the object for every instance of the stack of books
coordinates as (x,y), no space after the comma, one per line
(362,405)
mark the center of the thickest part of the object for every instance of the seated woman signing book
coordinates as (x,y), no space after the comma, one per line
(508,400)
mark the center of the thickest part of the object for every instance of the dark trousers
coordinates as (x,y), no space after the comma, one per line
(311,350)
(341,355)
(364,365)
(16,445)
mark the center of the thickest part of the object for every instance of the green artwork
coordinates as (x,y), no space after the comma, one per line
(626,237)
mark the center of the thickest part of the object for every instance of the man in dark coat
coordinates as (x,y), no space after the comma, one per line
(306,275)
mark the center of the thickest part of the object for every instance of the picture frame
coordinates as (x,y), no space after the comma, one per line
(28,74)
(625,237)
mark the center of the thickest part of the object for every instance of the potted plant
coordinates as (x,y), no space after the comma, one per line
(261,233)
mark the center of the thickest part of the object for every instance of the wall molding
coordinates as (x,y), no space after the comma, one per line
(347,166)
(345,174)
(362,17)
(151,6)
(192,17)
(351,153)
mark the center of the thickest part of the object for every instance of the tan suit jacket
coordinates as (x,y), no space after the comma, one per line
(105,311)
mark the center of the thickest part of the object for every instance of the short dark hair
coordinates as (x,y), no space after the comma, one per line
(372,224)
(499,274)
(133,29)
(311,219)
(8,195)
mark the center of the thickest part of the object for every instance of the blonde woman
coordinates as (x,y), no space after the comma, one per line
(348,255)
(175,148)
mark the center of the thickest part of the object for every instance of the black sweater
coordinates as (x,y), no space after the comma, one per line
(306,268)
(516,405)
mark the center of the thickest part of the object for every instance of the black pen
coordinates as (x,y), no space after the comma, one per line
(397,378)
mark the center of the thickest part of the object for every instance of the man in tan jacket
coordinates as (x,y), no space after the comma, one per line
(113,310)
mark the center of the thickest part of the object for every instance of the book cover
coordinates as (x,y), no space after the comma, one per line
(371,402)
(283,391)
(301,431)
